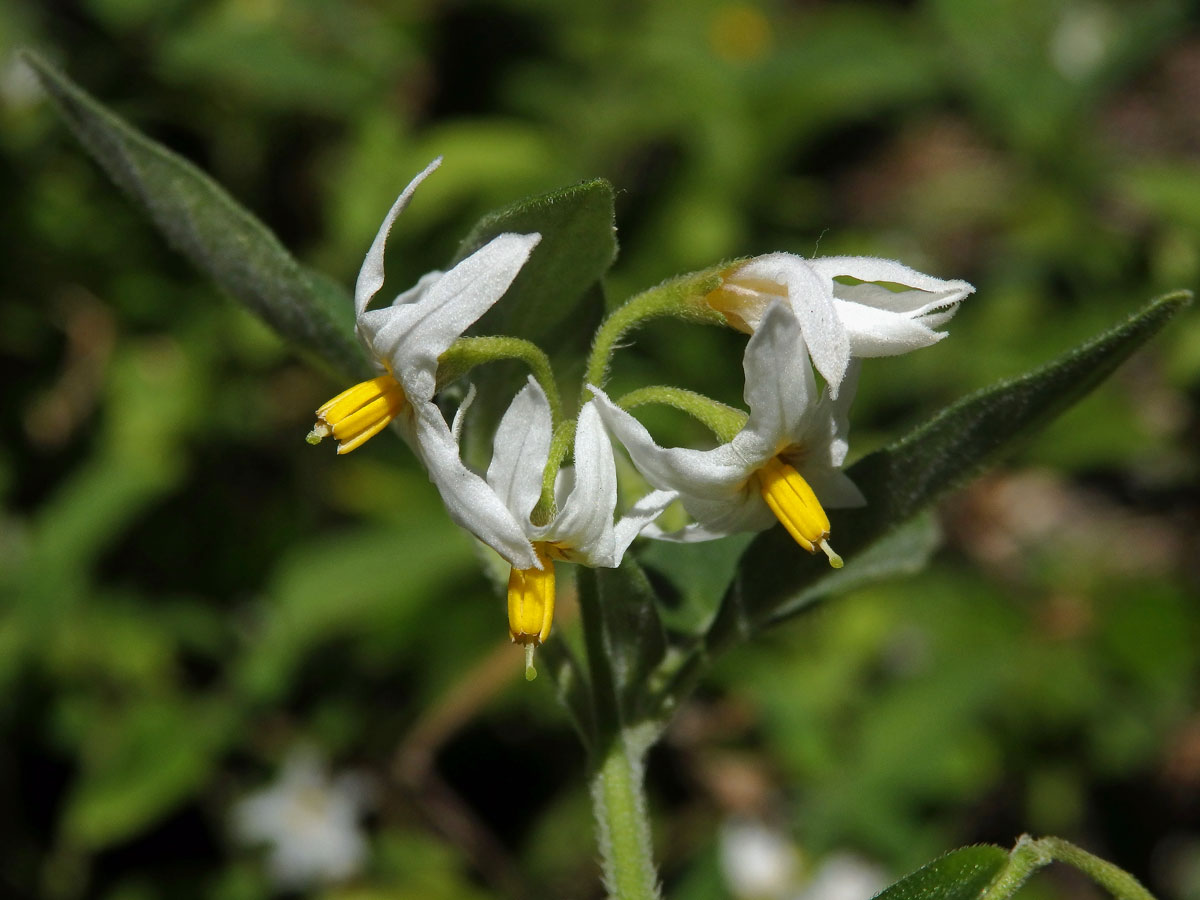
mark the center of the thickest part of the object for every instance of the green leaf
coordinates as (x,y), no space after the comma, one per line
(777,579)
(625,643)
(141,763)
(699,573)
(578,246)
(959,875)
(203,222)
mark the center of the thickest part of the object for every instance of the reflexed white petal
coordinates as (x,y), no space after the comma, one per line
(469,500)
(418,290)
(839,415)
(745,512)
(412,336)
(715,474)
(930,290)
(636,518)
(780,387)
(370,276)
(877,332)
(812,302)
(585,521)
(520,450)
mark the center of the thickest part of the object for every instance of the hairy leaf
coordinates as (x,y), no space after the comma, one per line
(210,228)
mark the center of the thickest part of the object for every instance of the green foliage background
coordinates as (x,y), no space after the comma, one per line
(187,589)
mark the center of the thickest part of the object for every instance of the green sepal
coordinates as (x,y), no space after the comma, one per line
(223,239)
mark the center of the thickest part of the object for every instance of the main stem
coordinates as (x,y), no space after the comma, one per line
(623,825)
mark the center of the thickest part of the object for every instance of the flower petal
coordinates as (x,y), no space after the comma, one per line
(834,488)
(716,474)
(412,336)
(812,302)
(924,292)
(636,519)
(877,332)
(585,521)
(780,388)
(370,276)
(470,501)
(520,450)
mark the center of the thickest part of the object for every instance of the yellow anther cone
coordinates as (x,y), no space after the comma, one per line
(796,507)
(359,413)
(531,606)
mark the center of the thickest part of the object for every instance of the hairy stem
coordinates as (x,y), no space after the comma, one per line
(680,297)
(622,824)
(1031,854)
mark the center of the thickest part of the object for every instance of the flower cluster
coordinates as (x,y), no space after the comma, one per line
(780,462)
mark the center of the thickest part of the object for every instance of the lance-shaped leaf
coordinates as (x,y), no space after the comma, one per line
(775,579)
(203,222)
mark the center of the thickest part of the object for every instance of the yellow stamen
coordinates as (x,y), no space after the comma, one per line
(359,413)
(531,605)
(796,507)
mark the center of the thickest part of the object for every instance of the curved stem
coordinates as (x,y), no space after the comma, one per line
(1031,854)
(722,420)
(469,352)
(680,297)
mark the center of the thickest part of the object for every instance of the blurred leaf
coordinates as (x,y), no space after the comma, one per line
(204,223)
(931,460)
(904,551)
(355,584)
(139,764)
(959,875)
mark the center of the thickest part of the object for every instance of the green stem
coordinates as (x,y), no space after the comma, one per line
(560,444)
(723,421)
(681,297)
(1031,854)
(622,824)
(469,352)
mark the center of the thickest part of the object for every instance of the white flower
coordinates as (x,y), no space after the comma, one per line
(787,455)
(311,823)
(759,862)
(844,876)
(404,341)
(891,310)
(582,531)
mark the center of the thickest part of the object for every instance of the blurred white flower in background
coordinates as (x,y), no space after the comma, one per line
(844,876)
(310,821)
(760,862)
